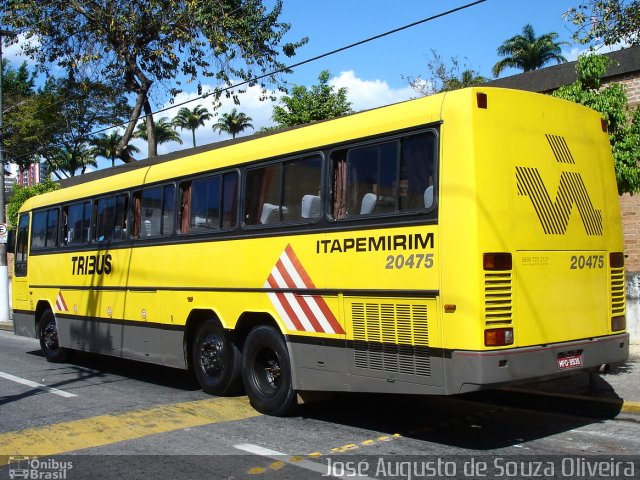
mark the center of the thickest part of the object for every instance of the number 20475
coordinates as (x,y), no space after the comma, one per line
(415,260)
(580,262)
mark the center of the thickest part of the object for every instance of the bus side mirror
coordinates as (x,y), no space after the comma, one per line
(11,241)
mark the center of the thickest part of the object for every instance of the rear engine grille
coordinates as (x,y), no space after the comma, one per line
(498,302)
(391,337)
(617,292)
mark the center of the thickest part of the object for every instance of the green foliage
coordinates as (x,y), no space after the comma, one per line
(145,44)
(233,123)
(527,52)
(106,146)
(304,106)
(606,21)
(191,119)
(22,194)
(163,131)
(623,122)
(445,78)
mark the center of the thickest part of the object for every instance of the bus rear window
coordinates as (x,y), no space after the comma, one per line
(392,177)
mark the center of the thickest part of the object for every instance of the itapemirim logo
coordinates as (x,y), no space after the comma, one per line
(554,214)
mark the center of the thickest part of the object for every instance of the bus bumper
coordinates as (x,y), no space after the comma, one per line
(478,370)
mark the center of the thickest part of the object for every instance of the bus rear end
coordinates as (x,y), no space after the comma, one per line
(543,263)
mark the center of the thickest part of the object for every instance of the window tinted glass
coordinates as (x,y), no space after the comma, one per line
(78,219)
(52,228)
(205,204)
(287,192)
(39,229)
(21,251)
(111,219)
(262,196)
(386,178)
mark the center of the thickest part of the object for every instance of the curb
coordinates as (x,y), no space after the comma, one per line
(6,326)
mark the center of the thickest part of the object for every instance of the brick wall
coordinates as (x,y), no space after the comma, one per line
(630,204)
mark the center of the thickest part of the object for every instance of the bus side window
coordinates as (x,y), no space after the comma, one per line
(230,200)
(77,223)
(21,251)
(417,167)
(44,229)
(38,230)
(262,196)
(184,214)
(386,178)
(111,219)
(302,178)
(153,212)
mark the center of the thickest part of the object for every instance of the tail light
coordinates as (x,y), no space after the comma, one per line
(498,337)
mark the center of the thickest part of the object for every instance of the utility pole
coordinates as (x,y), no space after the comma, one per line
(4,272)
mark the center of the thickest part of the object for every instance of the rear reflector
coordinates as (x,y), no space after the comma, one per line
(497,261)
(618,323)
(616,259)
(498,337)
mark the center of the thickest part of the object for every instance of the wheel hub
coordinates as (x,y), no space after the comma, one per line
(212,355)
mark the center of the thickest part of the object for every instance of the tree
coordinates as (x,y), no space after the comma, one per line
(142,44)
(528,52)
(191,119)
(321,102)
(443,78)
(623,122)
(22,194)
(65,161)
(106,146)
(606,21)
(163,132)
(80,106)
(21,126)
(233,123)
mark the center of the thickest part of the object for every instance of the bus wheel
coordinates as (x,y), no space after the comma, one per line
(266,372)
(216,360)
(48,336)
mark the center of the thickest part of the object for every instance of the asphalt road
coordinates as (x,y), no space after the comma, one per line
(98,417)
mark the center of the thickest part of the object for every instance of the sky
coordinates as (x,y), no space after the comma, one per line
(375,73)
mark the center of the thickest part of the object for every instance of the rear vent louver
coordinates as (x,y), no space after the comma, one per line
(617,292)
(498,302)
(391,337)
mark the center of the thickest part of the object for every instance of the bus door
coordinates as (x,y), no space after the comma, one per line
(20,284)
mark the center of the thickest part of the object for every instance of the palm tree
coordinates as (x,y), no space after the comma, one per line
(164,131)
(191,119)
(234,122)
(528,52)
(106,146)
(66,161)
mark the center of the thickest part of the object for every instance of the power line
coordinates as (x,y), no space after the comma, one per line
(283,69)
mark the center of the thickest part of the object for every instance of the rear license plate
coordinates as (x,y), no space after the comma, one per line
(573,361)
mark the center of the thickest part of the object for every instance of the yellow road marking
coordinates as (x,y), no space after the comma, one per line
(631,407)
(111,428)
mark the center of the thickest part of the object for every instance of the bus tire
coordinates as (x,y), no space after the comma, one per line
(266,372)
(216,360)
(48,336)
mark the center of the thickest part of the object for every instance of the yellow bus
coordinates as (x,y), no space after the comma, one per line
(443,245)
